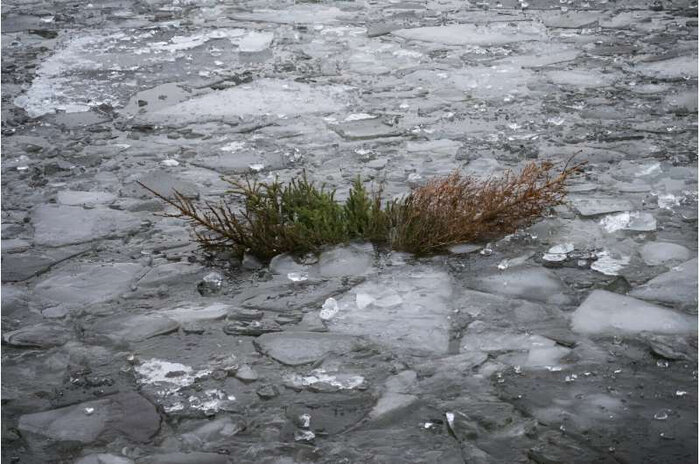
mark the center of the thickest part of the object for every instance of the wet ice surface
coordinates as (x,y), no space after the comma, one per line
(573,341)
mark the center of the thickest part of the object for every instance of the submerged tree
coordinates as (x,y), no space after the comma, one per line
(300,217)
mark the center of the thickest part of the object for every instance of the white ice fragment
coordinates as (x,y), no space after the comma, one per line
(363,300)
(667,200)
(414,177)
(297,276)
(609,265)
(359,117)
(255,41)
(329,309)
(232,147)
(487,250)
(648,170)
(450,420)
(305,421)
(168,375)
(88,411)
(635,221)
(562,248)
(304,435)
(257,167)
(554,257)
(170,162)
(173,407)
(156,370)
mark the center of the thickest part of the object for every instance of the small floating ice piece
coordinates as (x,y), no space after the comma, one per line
(170,162)
(255,41)
(608,265)
(635,221)
(648,169)
(464,248)
(363,300)
(173,375)
(359,117)
(596,206)
(667,200)
(329,309)
(562,248)
(556,121)
(257,167)
(232,147)
(304,435)
(297,276)
(554,257)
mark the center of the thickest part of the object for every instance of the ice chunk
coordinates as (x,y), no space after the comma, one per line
(259,98)
(464,248)
(545,356)
(345,261)
(407,307)
(297,276)
(635,221)
(297,348)
(657,253)
(609,265)
(605,312)
(77,198)
(583,79)
(284,264)
(133,328)
(232,147)
(86,284)
(562,248)
(496,341)
(377,295)
(329,310)
(255,41)
(320,380)
(527,282)
(210,284)
(471,34)
(679,286)
(55,226)
(596,206)
(127,414)
(197,313)
(391,405)
(156,371)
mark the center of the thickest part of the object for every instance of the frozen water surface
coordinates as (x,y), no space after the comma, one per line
(572,341)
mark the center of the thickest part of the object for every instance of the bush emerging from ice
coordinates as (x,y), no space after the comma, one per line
(300,217)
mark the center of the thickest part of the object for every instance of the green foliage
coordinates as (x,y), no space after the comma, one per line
(300,217)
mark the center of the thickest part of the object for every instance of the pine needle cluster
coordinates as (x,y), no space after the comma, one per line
(300,217)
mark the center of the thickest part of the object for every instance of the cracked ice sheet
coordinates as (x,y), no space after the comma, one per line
(100,67)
